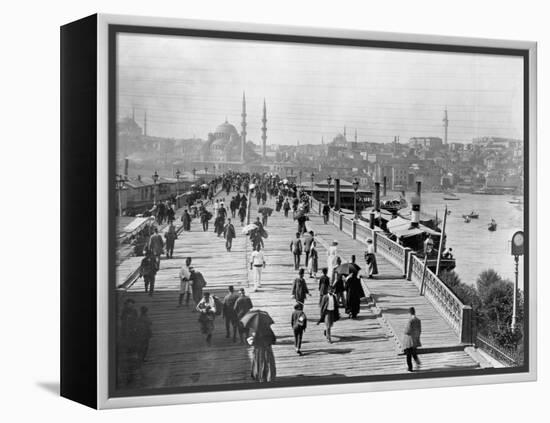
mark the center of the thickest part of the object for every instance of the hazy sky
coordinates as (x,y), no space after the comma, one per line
(190,85)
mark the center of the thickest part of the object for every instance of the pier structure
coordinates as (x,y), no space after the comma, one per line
(368,346)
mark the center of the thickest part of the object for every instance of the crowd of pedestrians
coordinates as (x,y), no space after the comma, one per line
(338,284)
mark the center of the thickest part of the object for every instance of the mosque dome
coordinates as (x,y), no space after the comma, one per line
(225,130)
(339,140)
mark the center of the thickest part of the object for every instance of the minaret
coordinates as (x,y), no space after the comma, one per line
(243,131)
(264,131)
(446,125)
(145,124)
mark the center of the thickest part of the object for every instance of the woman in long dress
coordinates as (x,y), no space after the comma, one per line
(313,262)
(332,255)
(370,258)
(263,360)
(354,294)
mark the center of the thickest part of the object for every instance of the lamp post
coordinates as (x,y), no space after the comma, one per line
(194,174)
(119,180)
(517,250)
(178,174)
(329,180)
(312,176)
(250,191)
(300,176)
(155,179)
(355,184)
(205,171)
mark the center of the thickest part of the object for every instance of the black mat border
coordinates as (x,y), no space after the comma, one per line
(113,30)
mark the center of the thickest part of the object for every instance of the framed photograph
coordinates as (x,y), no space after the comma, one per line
(254,211)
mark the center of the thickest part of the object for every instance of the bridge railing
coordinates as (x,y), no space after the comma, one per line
(458,315)
(506,356)
(392,251)
(347,225)
(441,296)
(363,232)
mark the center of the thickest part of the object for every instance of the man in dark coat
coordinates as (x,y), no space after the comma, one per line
(186,220)
(205,217)
(242,305)
(326,211)
(286,207)
(329,312)
(242,214)
(296,250)
(309,241)
(229,234)
(229,314)
(411,339)
(298,322)
(170,235)
(299,288)
(148,269)
(170,214)
(302,219)
(156,245)
(324,284)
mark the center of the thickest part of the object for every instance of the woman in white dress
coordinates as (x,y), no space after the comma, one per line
(332,254)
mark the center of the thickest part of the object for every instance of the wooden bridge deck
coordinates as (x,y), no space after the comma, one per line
(179,356)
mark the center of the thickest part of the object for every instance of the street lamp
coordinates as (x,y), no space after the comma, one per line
(329,180)
(205,171)
(355,184)
(155,179)
(300,176)
(194,174)
(312,176)
(119,180)
(518,240)
(178,174)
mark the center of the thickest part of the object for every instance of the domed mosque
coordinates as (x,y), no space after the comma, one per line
(225,144)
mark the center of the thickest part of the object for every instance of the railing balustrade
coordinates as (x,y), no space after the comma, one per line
(391,250)
(443,299)
(347,225)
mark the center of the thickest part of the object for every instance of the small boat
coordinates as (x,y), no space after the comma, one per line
(473,215)
(492,226)
(467,219)
(451,198)
(516,201)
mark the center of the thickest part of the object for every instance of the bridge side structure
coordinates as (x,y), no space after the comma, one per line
(459,316)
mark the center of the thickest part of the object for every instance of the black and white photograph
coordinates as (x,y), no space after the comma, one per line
(302,212)
(266,212)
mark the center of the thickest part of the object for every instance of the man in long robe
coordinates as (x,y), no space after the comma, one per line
(354,293)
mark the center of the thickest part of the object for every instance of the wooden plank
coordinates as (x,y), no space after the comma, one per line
(179,356)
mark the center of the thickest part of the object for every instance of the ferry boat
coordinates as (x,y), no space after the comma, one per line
(450,196)
(399,230)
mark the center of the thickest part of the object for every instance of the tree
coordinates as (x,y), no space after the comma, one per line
(465,293)
(485,280)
